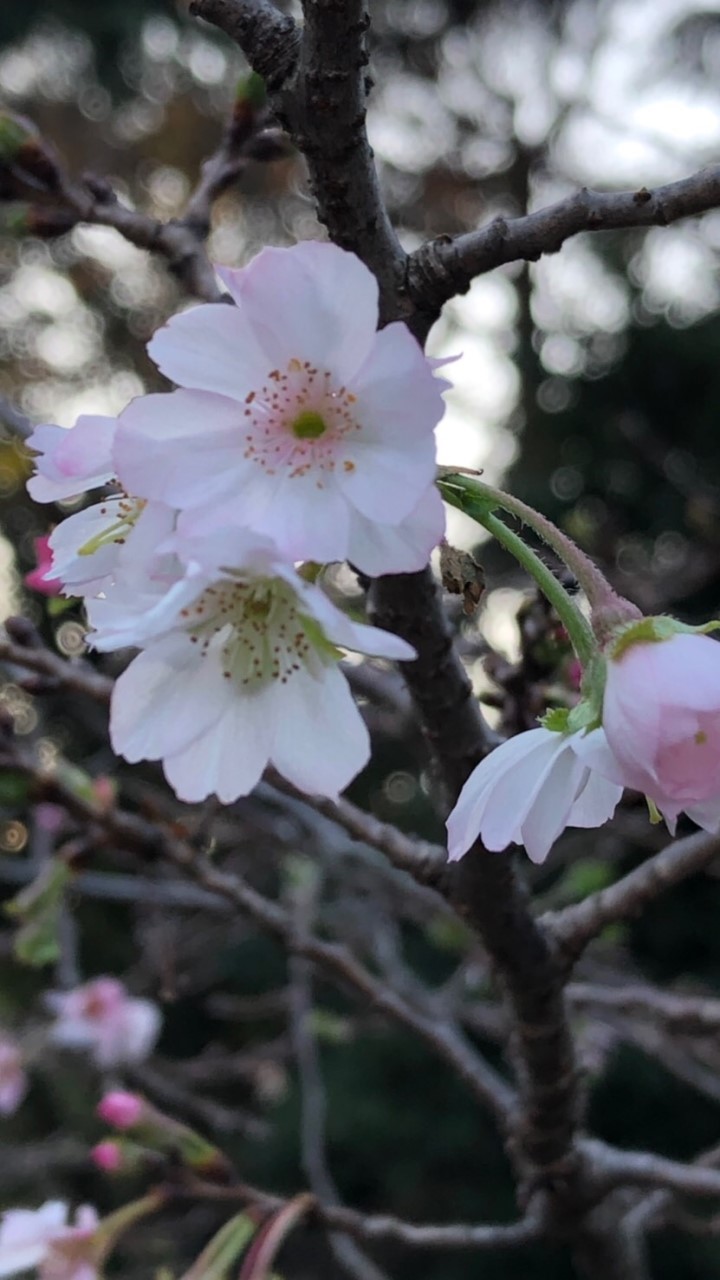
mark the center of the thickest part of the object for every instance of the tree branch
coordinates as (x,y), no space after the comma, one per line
(425,862)
(684,1014)
(312,1091)
(576,926)
(446,266)
(269,39)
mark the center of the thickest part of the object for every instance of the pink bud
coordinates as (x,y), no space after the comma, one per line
(37,579)
(120,1109)
(107,1156)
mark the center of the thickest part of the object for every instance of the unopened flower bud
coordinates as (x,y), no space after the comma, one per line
(120,1109)
(107,1156)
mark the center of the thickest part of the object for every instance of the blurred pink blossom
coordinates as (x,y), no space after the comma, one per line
(37,578)
(101,1017)
(43,1239)
(13,1081)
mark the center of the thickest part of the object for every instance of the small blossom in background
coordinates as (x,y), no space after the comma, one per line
(661,715)
(527,791)
(44,1239)
(38,578)
(239,670)
(102,1018)
(296,417)
(13,1081)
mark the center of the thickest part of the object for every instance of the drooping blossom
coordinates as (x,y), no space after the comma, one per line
(13,1081)
(45,1239)
(661,716)
(295,417)
(102,1018)
(239,670)
(527,791)
(38,579)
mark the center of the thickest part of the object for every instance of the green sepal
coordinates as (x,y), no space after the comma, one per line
(653,631)
(556,719)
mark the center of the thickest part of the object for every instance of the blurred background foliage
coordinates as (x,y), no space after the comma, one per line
(590,381)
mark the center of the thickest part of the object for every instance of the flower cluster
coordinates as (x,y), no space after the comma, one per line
(298,435)
(660,735)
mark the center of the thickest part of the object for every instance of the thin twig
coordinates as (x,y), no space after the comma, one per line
(576,926)
(312,1091)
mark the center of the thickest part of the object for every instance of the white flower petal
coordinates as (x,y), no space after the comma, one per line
(706,815)
(71,461)
(378,549)
(341,630)
(319,741)
(182,447)
(383,482)
(465,821)
(209,348)
(595,803)
(229,758)
(552,801)
(167,698)
(314,301)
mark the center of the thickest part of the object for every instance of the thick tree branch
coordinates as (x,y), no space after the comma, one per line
(269,39)
(446,266)
(324,110)
(576,926)
(330,130)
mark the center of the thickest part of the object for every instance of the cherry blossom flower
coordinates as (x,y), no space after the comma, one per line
(661,716)
(13,1081)
(39,579)
(295,417)
(527,791)
(44,1239)
(104,1019)
(239,670)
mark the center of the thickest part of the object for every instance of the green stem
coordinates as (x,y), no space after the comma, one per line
(477,506)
